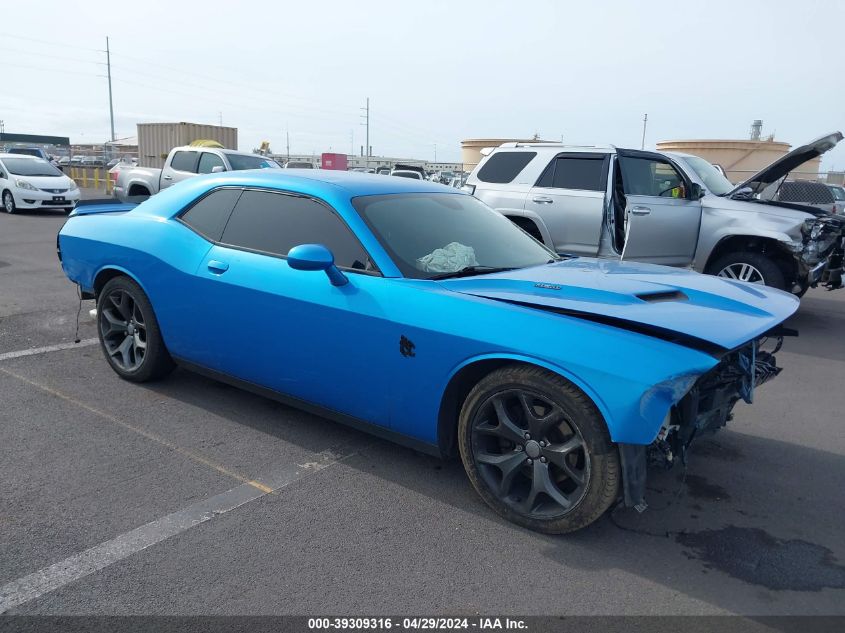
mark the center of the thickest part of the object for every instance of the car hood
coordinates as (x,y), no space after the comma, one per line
(786,163)
(687,307)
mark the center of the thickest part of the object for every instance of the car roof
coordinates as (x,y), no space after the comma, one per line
(322,181)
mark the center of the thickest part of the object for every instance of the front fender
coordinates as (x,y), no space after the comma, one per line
(718,225)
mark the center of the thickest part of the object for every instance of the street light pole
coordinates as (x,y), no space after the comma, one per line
(645,122)
(111,106)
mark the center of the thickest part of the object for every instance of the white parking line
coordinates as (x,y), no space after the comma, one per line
(32,351)
(100,556)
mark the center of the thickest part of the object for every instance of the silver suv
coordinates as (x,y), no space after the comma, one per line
(665,208)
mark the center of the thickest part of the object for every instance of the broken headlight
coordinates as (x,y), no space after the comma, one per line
(811,228)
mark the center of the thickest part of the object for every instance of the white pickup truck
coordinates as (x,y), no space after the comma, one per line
(138,183)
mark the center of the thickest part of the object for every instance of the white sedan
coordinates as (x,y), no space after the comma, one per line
(27,182)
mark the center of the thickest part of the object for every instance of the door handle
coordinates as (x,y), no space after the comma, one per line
(168,177)
(542,199)
(217,267)
(640,210)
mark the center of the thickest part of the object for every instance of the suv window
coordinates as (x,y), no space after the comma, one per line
(503,167)
(274,223)
(184,161)
(209,161)
(650,177)
(587,173)
(209,214)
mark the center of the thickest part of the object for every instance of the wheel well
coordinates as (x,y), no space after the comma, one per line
(138,190)
(104,276)
(754,244)
(528,225)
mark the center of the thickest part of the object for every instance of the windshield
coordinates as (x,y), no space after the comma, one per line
(30,167)
(239,161)
(712,178)
(838,193)
(407,174)
(429,234)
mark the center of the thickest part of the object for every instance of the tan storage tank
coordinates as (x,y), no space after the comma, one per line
(741,158)
(155,140)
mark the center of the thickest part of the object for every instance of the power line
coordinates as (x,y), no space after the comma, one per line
(49,43)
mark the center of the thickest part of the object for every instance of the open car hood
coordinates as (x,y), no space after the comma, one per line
(686,307)
(786,163)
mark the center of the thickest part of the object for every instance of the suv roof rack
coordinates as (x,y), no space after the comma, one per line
(553,144)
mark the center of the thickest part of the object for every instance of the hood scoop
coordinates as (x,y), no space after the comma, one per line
(657,297)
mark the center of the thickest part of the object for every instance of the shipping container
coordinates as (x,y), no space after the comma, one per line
(155,140)
(333,161)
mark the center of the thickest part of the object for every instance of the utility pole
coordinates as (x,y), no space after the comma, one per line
(435,152)
(111,106)
(645,122)
(366,117)
(220,118)
(287,142)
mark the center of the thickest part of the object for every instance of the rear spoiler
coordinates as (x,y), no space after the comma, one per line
(102,205)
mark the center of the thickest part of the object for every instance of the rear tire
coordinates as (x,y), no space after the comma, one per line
(537,450)
(129,333)
(750,267)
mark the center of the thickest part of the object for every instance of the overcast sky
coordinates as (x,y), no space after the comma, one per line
(435,71)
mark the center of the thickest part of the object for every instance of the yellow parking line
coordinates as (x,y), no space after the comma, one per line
(195,457)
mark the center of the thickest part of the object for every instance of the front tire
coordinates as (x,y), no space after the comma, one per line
(537,450)
(754,268)
(9,202)
(129,333)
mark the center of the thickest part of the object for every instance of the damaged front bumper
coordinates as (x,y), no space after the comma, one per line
(705,408)
(820,255)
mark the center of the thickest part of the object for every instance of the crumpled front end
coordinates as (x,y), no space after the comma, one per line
(822,250)
(706,407)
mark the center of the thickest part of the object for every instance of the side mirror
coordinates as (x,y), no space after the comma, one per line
(316,257)
(217,169)
(697,192)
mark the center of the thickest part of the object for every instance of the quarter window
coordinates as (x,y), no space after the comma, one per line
(209,161)
(184,161)
(209,215)
(571,172)
(274,223)
(503,167)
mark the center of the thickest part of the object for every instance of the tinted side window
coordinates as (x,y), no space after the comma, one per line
(275,223)
(579,173)
(209,161)
(184,161)
(503,167)
(209,215)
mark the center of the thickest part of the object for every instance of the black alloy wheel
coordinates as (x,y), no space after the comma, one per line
(537,450)
(530,453)
(123,330)
(129,334)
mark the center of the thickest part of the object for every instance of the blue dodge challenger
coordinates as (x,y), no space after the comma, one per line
(417,313)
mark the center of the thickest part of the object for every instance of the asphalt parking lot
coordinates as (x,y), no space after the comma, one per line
(188,496)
